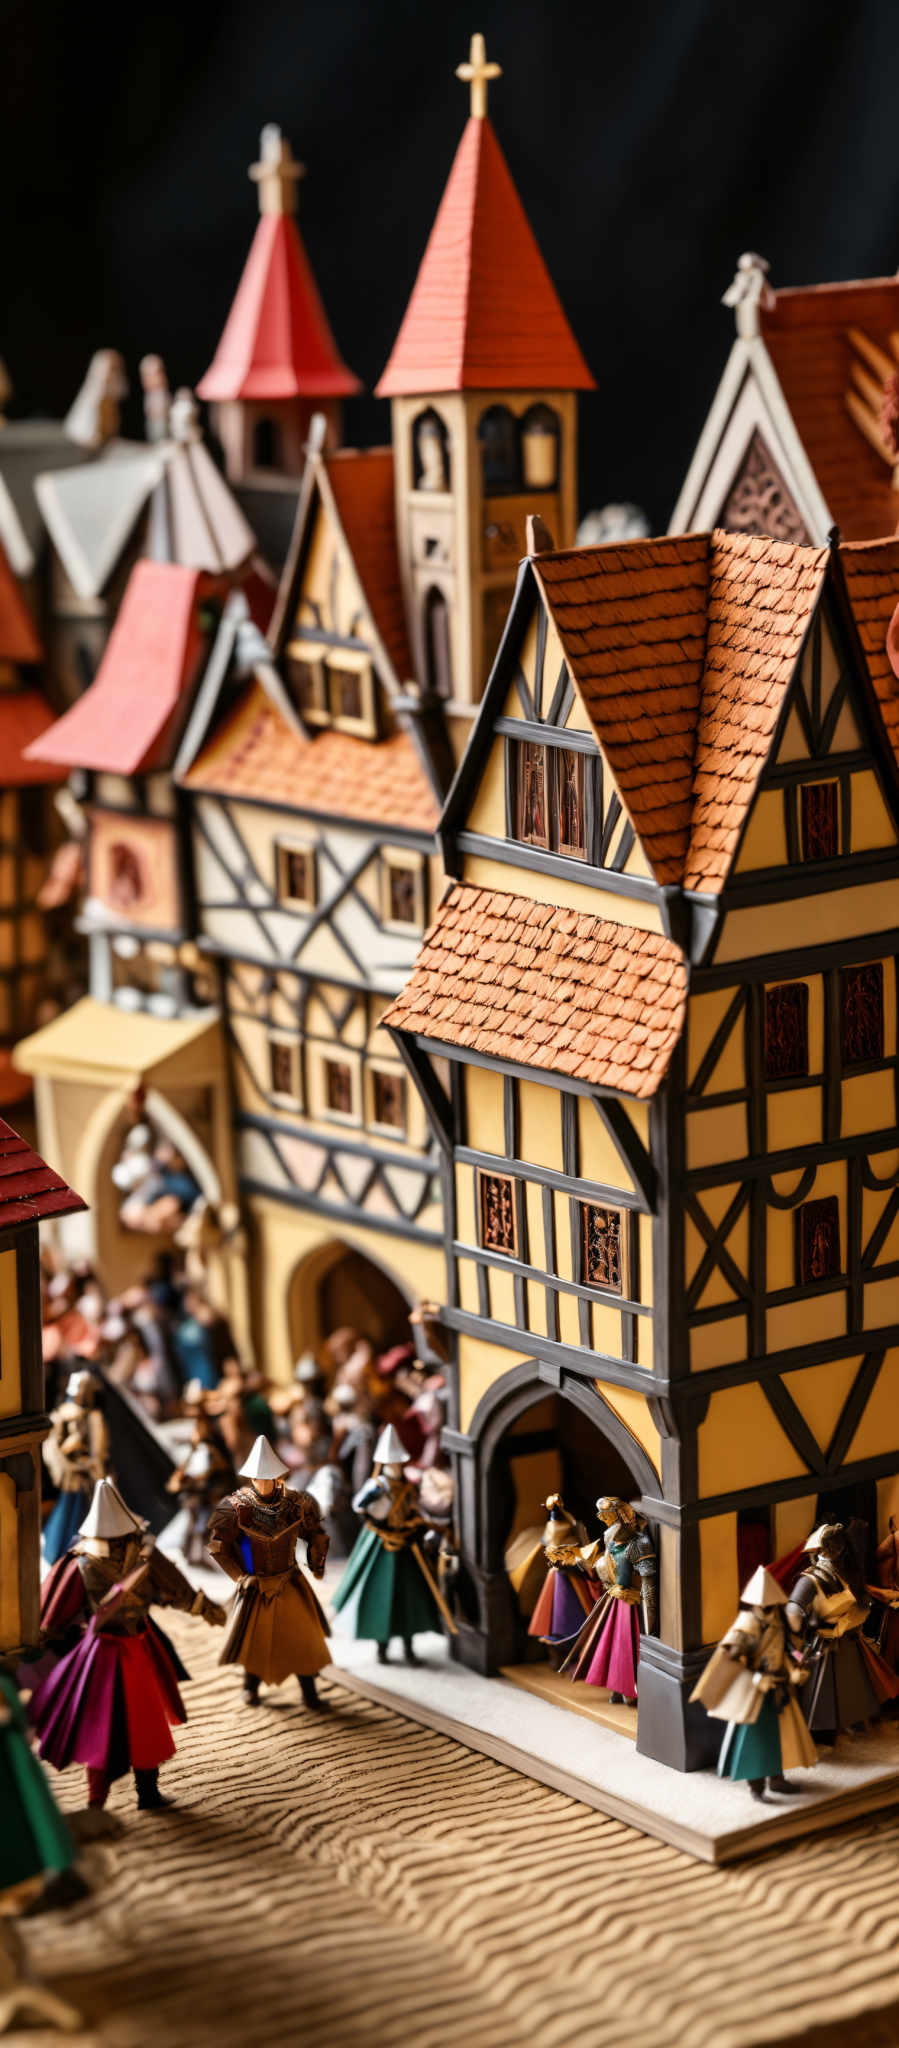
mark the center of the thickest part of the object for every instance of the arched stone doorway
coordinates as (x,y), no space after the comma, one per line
(337,1285)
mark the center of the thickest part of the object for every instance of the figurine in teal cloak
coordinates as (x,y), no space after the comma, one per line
(35,1845)
(388,1588)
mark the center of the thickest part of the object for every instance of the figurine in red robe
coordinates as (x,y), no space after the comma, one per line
(111,1701)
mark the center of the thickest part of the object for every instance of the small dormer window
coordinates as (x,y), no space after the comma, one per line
(306,679)
(547,797)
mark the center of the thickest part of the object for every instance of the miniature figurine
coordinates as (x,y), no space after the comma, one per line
(886,1593)
(388,1589)
(202,1479)
(607,1650)
(569,1590)
(850,1680)
(109,1702)
(277,1627)
(35,1845)
(76,1454)
(750,1682)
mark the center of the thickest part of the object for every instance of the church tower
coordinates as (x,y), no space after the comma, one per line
(483,380)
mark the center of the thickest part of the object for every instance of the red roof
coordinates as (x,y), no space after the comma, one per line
(484,314)
(29,1189)
(18,638)
(24,716)
(125,721)
(808,334)
(362,486)
(276,341)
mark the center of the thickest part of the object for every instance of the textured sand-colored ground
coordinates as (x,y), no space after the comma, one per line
(356,1881)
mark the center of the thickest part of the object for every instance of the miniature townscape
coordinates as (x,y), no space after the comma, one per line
(449,1197)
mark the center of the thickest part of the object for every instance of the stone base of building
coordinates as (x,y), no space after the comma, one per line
(669,1727)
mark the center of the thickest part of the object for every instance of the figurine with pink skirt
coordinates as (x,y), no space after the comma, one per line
(606,1650)
(569,1590)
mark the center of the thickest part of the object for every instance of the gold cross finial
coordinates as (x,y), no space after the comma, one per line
(277,174)
(477,73)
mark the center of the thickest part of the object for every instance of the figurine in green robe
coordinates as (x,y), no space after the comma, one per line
(388,1588)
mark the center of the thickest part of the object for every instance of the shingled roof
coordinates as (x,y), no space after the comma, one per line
(362,487)
(548,988)
(871,569)
(484,314)
(807,334)
(682,649)
(332,774)
(29,1188)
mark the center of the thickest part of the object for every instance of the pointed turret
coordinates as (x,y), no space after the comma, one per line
(277,361)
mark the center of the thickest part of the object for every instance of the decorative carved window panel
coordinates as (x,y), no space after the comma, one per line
(758,500)
(603,1247)
(820,821)
(861,1014)
(818,1241)
(388,1098)
(569,801)
(786,1032)
(548,797)
(498,1226)
(531,808)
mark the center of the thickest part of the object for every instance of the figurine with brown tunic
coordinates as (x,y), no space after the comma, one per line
(388,1588)
(111,1701)
(76,1454)
(750,1682)
(850,1680)
(277,1628)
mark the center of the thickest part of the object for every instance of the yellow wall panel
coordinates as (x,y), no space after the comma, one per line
(644,1236)
(795,1117)
(599,1156)
(881,1304)
(764,843)
(868,1104)
(633,1411)
(791,1523)
(488,811)
(714,1135)
(704,1014)
(606,1329)
(468,1286)
(569,1329)
(719,1575)
(480,1364)
(645,1342)
(536,1235)
(805,1322)
(820,1392)
(536,1300)
(563,1237)
(878,1430)
(872,825)
(484,1109)
(502,1296)
(774,927)
(540,1125)
(723,1343)
(567,895)
(466,1221)
(793,746)
(10,1365)
(741,1443)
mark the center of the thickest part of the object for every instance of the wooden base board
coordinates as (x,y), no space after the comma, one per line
(591,1701)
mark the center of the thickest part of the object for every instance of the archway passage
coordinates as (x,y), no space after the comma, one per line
(336,1287)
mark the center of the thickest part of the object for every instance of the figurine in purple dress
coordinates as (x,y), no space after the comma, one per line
(569,1590)
(606,1651)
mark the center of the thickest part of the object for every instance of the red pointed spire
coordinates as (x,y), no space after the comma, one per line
(484,314)
(276,342)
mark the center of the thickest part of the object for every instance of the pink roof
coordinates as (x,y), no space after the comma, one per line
(125,720)
(484,314)
(276,341)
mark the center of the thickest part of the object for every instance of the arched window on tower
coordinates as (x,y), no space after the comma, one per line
(540,448)
(438,655)
(266,444)
(430,452)
(498,438)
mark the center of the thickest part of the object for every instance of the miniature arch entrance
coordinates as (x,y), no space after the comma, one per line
(337,1286)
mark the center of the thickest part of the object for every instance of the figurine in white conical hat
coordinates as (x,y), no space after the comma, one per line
(388,1588)
(751,1681)
(253,1534)
(108,1516)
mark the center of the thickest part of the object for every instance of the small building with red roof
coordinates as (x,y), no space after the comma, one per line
(277,361)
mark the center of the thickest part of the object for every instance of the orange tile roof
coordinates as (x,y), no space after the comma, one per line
(761,597)
(256,754)
(547,988)
(18,635)
(361,482)
(484,314)
(871,570)
(632,622)
(806,335)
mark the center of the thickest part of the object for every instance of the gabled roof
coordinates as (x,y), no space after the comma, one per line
(871,569)
(126,722)
(256,754)
(92,511)
(484,314)
(355,488)
(808,335)
(18,635)
(26,448)
(276,341)
(558,990)
(29,1189)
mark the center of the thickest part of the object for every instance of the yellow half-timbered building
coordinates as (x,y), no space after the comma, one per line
(664,979)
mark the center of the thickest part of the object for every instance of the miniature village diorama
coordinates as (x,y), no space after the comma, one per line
(453,958)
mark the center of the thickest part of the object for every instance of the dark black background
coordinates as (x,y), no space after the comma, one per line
(650,144)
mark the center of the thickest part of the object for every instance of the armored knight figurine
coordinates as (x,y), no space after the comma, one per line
(110,1702)
(830,1602)
(388,1588)
(750,1681)
(76,1453)
(277,1627)
(607,1649)
(569,1590)
(204,1476)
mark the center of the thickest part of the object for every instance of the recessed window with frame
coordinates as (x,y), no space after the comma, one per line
(603,1248)
(306,680)
(497,1214)
(818,1241)
(351,694)
(819,812)
(786,1031)
(548,797)
(295,871)
(861,1014)
(387,1099)
(403,904)
(570,834)
(339,1085)
(530,809)
(285,1070)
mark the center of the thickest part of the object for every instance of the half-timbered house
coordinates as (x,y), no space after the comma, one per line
(797,439)
(664,982)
